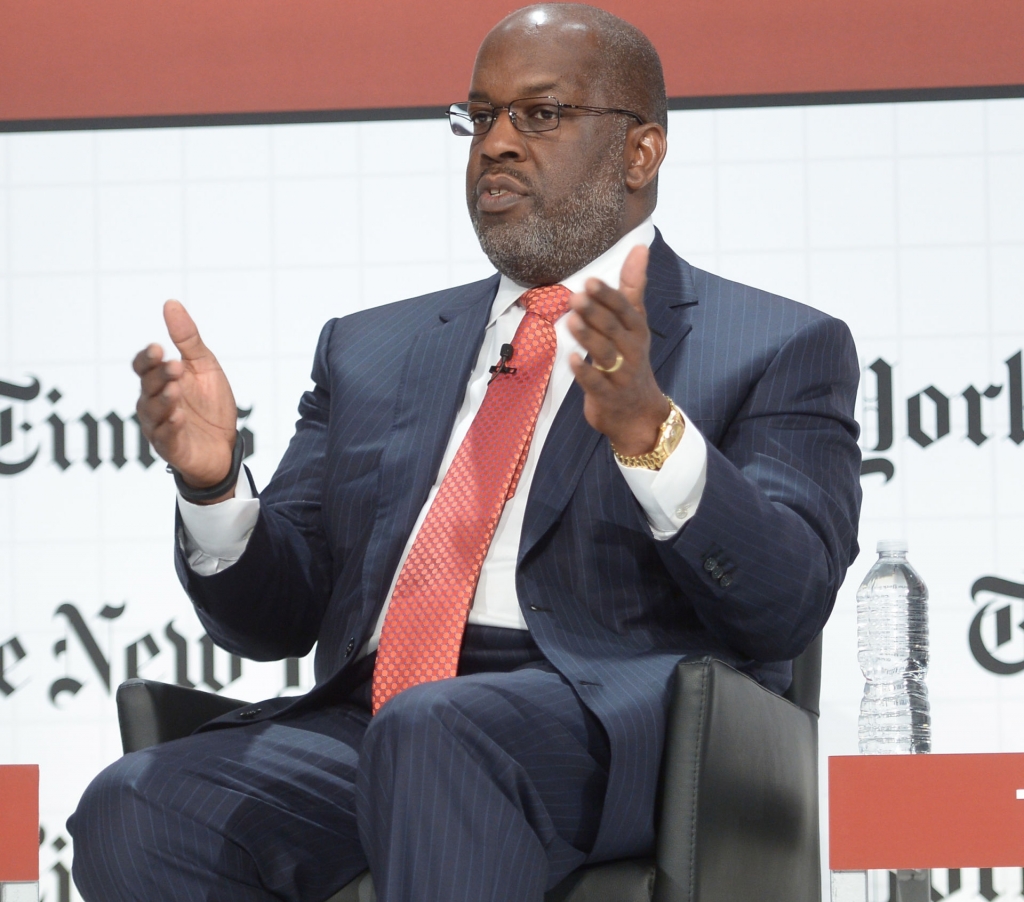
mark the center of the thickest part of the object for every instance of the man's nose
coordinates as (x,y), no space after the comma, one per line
(503,140)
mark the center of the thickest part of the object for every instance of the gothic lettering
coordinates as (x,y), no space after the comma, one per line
(92,440)
(22,393)
(1013,365)
(59,455)
(96,447)
(973,398)
(89,645)
(145,454)
(985,887)
(131,656)
(1002,610)
(180,656)
(914,427)
(878,465)
(209,669)
(11,652)
(883,404)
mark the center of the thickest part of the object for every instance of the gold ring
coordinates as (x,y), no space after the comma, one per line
(614,368)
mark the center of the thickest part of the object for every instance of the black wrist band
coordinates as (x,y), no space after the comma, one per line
(199,496)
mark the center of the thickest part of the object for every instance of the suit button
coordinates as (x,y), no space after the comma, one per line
(726,580)
(349,648)
(534,607)
(249,712)
(710,564)
(717,573)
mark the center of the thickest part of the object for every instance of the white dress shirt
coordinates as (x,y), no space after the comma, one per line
(216,535)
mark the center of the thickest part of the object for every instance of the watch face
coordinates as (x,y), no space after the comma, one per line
(673,433)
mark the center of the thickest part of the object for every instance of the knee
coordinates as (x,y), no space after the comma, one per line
(102,797)
(422,712)
(422,727)
(104,827)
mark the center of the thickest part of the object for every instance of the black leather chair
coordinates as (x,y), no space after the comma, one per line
(737,817)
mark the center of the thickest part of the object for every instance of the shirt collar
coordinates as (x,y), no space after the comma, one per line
(607,268)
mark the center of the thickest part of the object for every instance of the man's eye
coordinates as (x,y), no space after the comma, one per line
(544,113)
(480,117)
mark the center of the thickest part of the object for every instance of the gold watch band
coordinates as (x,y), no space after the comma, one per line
(669,435)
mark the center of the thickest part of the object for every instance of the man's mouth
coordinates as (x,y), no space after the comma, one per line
(498,193)
(497,200)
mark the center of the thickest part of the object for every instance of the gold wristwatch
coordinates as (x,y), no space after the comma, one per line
(669,434)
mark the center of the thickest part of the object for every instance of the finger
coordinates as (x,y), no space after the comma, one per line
(601,313)
(156,380)
(605,299)
(599,346)
(592,323)
(183,332)
(605,340)
(147,358)
(633,278)
(590,379)
(157,407)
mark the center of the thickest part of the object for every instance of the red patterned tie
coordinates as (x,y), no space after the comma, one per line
(422,633)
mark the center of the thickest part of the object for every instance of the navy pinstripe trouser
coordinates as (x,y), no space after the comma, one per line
(486,787)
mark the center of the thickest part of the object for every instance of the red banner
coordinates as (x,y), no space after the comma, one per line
(94,59)
(19,823)
(926,811)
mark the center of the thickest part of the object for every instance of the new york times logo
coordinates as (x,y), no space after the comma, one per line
(996,634)
(928,413)
(34,427)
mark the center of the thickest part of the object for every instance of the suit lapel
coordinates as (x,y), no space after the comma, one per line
(670,291)
(572,441)
(432,386)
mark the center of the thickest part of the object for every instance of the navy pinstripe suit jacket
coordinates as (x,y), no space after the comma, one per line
(770,383)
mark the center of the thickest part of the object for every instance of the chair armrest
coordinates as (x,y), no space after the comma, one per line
(739,799)
(150,713)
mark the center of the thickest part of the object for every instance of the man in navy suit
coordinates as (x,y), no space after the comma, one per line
(691,488)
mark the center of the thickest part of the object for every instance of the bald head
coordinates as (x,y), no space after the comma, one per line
(623,69)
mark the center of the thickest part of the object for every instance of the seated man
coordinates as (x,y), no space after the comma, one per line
(508,510)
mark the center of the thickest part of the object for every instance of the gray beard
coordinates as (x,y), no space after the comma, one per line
(552,243)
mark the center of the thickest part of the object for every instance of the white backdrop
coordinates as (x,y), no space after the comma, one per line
(905,220)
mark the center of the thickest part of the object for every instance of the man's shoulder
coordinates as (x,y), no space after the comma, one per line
(391,327)
(726,301)
(728,292)
(424,309)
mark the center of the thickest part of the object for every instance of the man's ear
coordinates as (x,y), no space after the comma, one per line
(645,149)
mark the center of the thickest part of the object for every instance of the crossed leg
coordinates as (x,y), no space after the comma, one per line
(485,787)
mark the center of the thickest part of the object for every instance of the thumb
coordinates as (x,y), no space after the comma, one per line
(633,278)
(183,332)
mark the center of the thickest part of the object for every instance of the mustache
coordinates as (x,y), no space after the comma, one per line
(511,172)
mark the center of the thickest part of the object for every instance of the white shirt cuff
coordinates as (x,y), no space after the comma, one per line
(216,534)
(670,496)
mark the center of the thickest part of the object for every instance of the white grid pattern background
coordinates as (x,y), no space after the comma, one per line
(905,220)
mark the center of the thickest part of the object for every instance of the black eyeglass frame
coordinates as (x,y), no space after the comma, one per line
(461,111)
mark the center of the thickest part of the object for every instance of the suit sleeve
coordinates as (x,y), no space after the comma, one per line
(766,552)
(270,603)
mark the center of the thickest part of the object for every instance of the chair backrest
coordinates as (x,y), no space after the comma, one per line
(806,686)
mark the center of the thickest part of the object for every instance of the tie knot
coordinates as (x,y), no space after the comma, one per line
(546,301)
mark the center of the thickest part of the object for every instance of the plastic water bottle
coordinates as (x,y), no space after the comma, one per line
(892,650)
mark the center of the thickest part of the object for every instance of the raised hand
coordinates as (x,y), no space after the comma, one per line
(621,395)
(186,407)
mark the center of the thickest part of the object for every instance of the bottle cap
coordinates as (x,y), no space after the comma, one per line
(892,545)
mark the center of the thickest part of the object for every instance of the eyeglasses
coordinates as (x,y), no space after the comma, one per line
(530,114)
